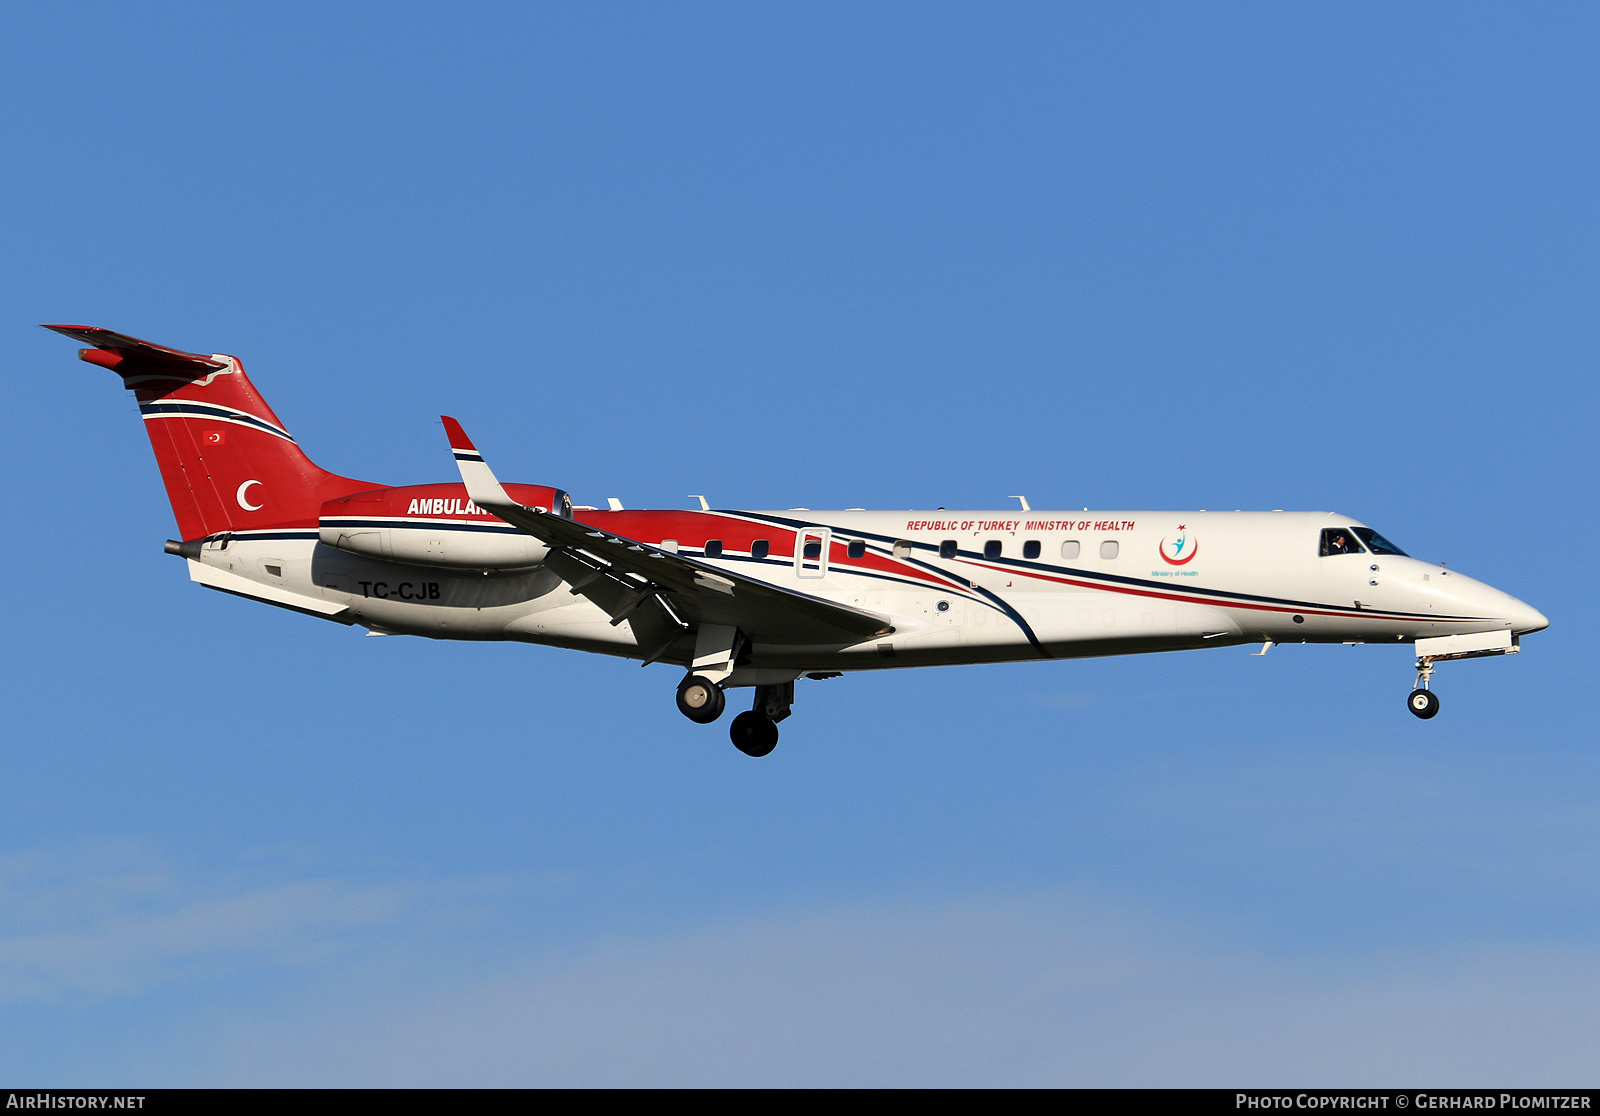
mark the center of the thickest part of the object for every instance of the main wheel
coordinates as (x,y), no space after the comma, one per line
(1423,703)
(753,733)
(700,699)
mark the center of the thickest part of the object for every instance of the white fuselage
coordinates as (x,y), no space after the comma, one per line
(1015,587)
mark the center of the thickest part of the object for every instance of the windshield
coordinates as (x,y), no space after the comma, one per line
(1377,543)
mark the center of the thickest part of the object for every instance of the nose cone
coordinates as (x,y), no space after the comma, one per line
(1477,599)
(1525,618)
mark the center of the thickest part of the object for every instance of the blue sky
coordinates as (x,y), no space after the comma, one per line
(824,255)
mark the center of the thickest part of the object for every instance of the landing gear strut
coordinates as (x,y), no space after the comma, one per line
(700,699)
(1422,701)
(755,733)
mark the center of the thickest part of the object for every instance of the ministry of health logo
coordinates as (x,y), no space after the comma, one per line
(1179,549)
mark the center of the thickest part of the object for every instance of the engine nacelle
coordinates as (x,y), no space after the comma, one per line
(437,525)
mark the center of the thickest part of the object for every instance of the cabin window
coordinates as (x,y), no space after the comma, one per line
(670,545)
(760,548)
(1030,549)
(947,549)
(713,548)
(1339,540)
(813,549)
(1377,543)
(275,571)
(856,549)
(1069,550)
(902,548)
(1109,548)
(991,549)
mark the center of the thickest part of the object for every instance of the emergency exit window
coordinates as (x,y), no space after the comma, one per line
(991,549)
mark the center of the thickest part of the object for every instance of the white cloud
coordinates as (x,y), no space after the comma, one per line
(115,919)
(1057,989)
(1048,991)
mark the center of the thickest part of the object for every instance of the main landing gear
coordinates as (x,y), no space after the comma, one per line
(700,699)
(754,732)
(1423,702)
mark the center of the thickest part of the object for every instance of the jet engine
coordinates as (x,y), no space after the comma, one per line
(437,525)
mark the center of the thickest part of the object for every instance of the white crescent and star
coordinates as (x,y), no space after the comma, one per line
(239,495)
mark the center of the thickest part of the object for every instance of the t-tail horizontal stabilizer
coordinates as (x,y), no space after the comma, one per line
(121,353)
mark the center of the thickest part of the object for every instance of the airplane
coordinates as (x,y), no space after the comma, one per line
(760,599)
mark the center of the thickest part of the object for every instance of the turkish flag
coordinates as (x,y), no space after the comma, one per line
(213,438)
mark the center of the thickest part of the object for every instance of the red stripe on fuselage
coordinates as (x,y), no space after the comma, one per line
(694,529)
(1320,610)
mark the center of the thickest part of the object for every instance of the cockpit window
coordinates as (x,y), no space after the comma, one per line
(1339,540)
(1377,543)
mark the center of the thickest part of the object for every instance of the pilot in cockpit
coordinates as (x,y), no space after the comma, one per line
(1335,540)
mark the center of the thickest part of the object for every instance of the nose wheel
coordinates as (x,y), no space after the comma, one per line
(1422,702)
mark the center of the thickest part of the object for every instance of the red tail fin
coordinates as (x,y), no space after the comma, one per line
(228,463)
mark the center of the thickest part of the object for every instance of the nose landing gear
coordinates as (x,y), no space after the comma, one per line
(1439,649)
(1423,702)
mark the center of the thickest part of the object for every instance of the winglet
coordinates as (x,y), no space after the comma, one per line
(482,486)
(459,442)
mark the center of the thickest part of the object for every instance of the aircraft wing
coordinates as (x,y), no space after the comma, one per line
(620,574)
